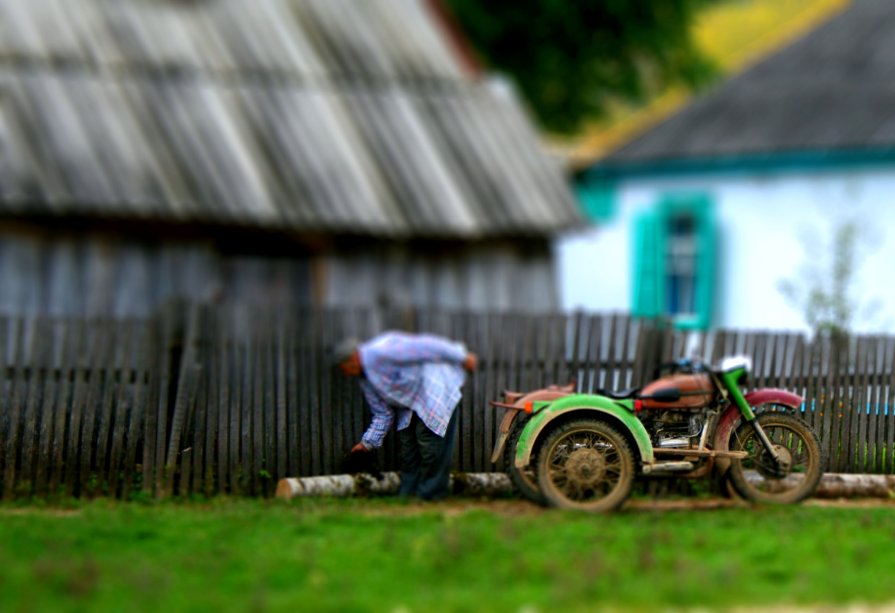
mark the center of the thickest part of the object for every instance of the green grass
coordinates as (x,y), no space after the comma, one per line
(379,555)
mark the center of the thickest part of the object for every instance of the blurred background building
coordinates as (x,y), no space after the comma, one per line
(703,215)
(293,152)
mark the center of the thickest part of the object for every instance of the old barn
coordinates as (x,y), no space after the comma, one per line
(279,152)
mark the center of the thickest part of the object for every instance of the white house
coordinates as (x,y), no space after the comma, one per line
(705,215)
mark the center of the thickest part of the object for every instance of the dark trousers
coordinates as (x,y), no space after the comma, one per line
(426,459)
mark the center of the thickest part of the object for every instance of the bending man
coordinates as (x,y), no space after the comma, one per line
(413,381)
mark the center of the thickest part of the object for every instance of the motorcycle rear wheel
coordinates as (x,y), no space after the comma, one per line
(758,478)
(586,464)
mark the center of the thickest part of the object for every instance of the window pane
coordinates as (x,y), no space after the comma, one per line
(680,265)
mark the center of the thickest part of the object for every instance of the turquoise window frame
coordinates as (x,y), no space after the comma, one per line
(597,198)
(650,262)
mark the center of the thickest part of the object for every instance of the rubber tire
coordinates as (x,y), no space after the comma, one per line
(738,475)
(524,484)
(623,488)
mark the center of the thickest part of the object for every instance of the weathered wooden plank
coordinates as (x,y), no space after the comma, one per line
(490,386)
(851,400)
(281,336)
(17,394)
(268,406)
(826,380)
(469,424)
(187,381)
(306,381)
(863,449)
(342,326)
(114,407)
(196,429)
(594,354)
(209,483)
(79,394)
(49,404)
(761,358)
(292,396)
(886,429)
(240,441)
(99,350)
(475,336)
(802,358)
(36,369)
(133,408)
(157,422)
(795,380)
(226,436)
(530,352)
(622,358)
(837,384)
(210,477)
(578,325)
(246,441)
(6,362)
(321,416)
(154,395)
(197,442)
(614,355)
(884,450)
(778,367)
(875,365)
(67,368)
(113,427)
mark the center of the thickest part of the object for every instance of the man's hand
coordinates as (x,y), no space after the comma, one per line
(471,362)
(361,459)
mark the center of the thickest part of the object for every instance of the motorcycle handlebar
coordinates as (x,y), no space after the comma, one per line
(690,365)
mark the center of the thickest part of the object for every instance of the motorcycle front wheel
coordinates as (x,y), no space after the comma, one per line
(586,464)
(759,478)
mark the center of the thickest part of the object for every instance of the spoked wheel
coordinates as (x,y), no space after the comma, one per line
(586,464)
(759,478)
(525,480)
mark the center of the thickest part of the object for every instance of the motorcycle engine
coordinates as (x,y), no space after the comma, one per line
(672,429)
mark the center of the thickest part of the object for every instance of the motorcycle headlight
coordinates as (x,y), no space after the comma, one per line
(736,361)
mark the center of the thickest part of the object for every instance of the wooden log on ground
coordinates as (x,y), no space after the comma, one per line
(832,485)
(843,485)
(467,484)
(338,485)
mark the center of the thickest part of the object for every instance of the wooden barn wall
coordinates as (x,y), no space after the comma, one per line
(495,276)
(102,274)
(210,399)
(65,274)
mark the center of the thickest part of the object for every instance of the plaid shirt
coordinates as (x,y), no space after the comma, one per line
(406,373)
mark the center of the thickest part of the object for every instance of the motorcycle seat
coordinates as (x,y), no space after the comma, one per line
(620,394)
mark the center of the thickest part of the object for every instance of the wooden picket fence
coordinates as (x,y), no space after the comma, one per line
(207,399)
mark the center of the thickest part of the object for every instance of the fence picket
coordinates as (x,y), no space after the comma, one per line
(31,418)
(874,367)
(48,407)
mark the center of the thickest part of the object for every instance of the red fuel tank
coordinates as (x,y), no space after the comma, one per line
(679,391)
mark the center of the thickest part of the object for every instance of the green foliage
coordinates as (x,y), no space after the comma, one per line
(385,555)
(571,59)
(823,290)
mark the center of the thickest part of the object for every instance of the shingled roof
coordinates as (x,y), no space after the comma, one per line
(314,116)
(831,91)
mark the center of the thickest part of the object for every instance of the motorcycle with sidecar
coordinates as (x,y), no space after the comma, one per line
(584,451)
